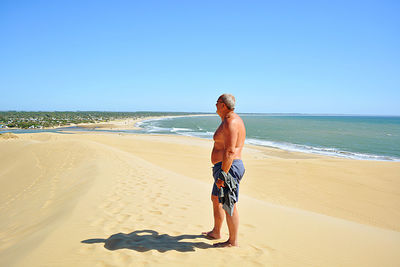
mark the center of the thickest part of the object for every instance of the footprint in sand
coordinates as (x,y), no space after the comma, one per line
(97,222)
(157,212)
(258,250)
(249,226)
(86,249)
(122,217)
(106,205)
(154,199)
(115,198)
(268,248)
(124,258)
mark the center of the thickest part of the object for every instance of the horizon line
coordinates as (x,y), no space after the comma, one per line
(202,112)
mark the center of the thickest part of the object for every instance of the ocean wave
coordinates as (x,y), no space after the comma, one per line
(143,122)
(327,151)
(154,129)
(207,135)
(180,129)
(150,128)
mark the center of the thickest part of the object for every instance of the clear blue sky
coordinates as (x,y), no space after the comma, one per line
(274,56)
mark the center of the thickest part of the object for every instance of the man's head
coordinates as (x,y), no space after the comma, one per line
(228,100)
(225,104)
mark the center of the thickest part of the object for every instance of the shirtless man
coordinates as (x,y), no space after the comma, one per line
(226,156)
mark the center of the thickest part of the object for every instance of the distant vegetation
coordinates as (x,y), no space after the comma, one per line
(41,119)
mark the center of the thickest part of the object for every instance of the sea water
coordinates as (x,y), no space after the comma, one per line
(357,137)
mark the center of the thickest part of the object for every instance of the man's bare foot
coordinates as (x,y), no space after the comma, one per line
(225,244)
(211,235)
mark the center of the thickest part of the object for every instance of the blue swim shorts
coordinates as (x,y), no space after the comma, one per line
(237,171)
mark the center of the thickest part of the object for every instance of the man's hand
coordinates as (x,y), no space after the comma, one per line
(220,183)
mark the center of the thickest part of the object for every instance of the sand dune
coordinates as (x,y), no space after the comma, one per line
(134,200)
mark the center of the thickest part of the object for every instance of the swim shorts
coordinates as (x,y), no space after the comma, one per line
(237,171)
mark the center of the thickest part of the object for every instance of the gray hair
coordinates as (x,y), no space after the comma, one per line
(229,101)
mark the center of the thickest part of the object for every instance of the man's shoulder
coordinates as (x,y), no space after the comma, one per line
(236,119)
(233,120)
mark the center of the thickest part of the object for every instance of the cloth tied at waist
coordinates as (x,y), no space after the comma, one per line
(227,194)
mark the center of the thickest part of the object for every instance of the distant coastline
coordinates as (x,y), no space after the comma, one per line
(58,119)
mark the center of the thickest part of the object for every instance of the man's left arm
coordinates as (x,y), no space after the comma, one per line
(230,138)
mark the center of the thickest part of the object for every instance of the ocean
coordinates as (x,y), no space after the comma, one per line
(355,137)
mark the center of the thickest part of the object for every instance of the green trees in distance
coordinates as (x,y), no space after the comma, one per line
(38,119)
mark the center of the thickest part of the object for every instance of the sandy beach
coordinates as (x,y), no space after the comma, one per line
(129,123)
(114,199)
(119,124)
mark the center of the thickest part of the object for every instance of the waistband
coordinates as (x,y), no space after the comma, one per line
(234,161)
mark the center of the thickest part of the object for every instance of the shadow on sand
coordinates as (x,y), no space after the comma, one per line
(145,240)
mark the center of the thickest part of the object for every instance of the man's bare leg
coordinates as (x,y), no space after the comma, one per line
(233,226)
(219,216)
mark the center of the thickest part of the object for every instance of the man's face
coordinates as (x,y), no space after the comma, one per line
(219,105)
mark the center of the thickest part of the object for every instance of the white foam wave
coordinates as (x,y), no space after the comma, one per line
(207,135)
(327,151)
(180,129)
(153,129)
(140,123)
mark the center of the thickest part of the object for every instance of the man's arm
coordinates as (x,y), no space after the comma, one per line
(231,133)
